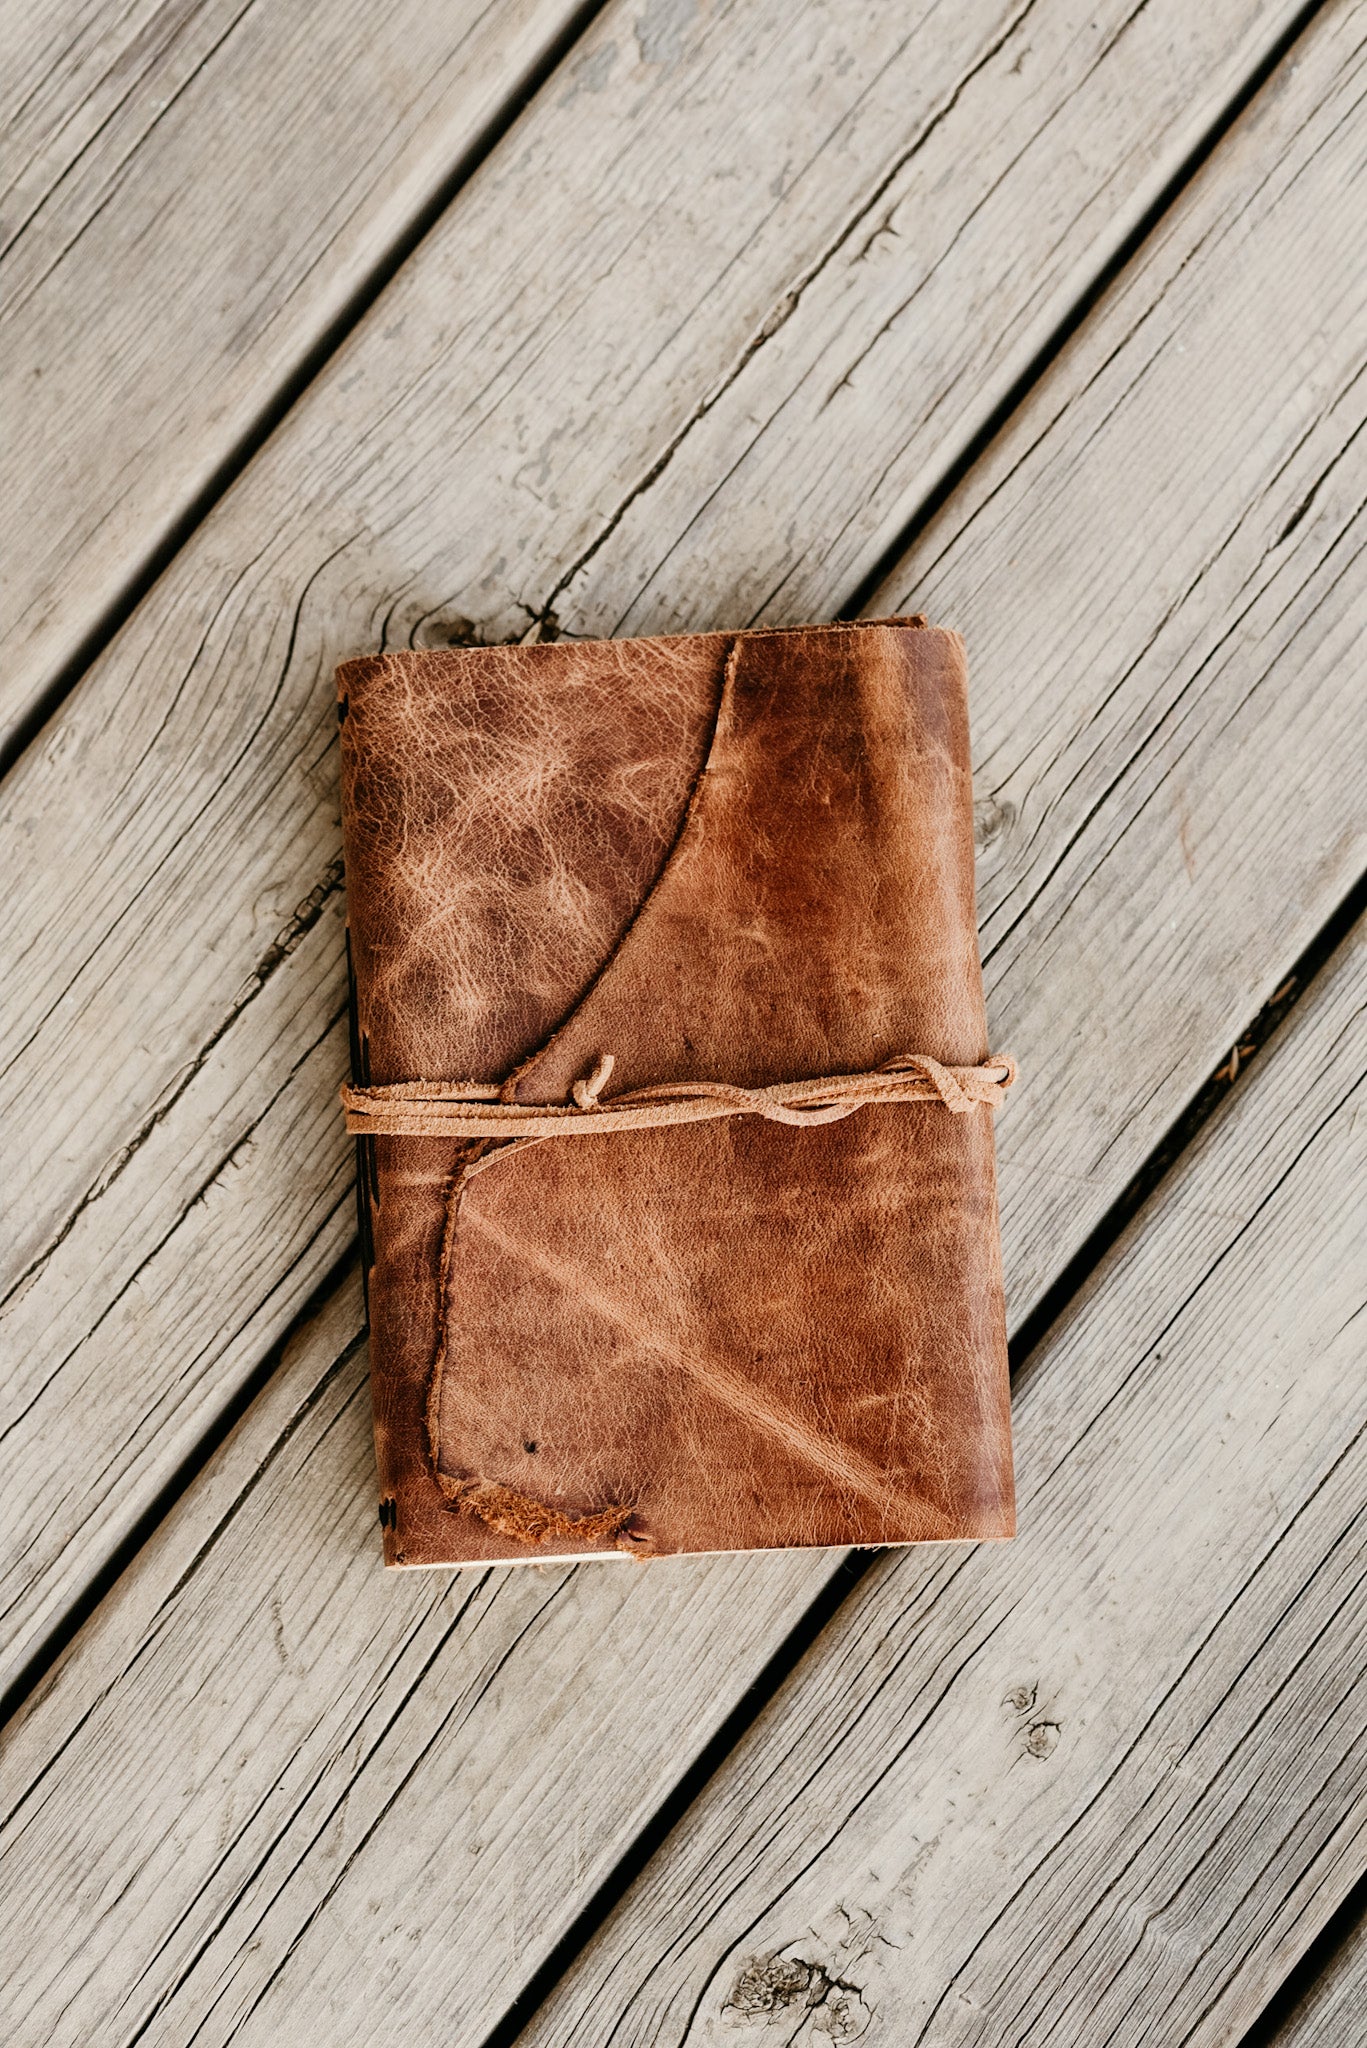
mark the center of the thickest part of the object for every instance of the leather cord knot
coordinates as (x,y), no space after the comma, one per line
(472,1109)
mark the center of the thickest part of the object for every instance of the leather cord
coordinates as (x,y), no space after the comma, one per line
(472,1109)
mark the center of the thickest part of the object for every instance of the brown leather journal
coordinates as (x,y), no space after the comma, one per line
(674,1096)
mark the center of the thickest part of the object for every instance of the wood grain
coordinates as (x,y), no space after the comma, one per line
(620,258)
(193,194)
(1105,1783)
(399,1899)
(256,1697)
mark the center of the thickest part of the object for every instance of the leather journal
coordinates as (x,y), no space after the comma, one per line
(673,1096)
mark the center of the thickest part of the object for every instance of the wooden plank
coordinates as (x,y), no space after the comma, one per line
(261,1693)
(566,1756)
(1105,1783)
(456,461)
(1330,2013)
(194,195)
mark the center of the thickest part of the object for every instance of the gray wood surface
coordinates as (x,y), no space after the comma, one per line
(179,1178)
(243,1714)
(191,196)
(1333,2012)
(1101,1784)
(364,1772)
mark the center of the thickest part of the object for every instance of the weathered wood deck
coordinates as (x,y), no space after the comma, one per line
(327,329)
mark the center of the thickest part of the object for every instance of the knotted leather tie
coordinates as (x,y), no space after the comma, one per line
(474,1109)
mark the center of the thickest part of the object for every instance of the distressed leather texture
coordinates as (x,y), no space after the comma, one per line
(744,857)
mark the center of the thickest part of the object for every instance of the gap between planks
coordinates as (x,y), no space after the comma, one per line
(1327,2011)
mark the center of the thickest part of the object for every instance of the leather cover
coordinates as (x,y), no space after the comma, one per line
(741,857)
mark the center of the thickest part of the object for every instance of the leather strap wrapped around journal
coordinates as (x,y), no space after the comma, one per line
(674,1096)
